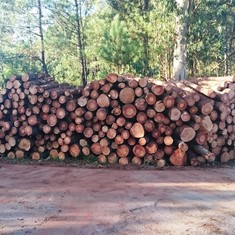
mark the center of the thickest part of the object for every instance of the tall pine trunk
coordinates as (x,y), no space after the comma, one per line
(43,56)
(80,41)
(180,51)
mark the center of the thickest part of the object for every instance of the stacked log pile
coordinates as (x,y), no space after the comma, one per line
(118,119)
(221,139)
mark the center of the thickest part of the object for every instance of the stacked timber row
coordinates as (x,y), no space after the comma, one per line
(221,139)
(117,119)
(33,109)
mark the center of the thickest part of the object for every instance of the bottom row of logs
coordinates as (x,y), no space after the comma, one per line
(182,155)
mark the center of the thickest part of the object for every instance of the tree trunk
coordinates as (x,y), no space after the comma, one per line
(180,51)
(43,57)
(81,46)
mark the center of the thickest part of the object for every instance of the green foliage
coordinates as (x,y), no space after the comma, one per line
(211,36)
(117,35)
(118,47)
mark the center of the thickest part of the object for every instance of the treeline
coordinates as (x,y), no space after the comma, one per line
(80,40)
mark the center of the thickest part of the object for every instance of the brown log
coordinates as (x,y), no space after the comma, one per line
(132,83)
(159,154)
(185,116)
(51,120)
(103,101)
(129,111)
(119,140)
(110,119)
(150,99)
(112,158)
(128,125)
(106,88)
(159,118)
(193,158)
(123,161)
(169,149)
(104,129)
(82,101)
(101,134)
(207,123)
(139,150)
(157,89)
(232,154)
(92,105)
(96,148)
(88,115)
(203,90)
(136,160)
(11,155)
(85,151)
(149,125)
(225,96)
(104,142)
(127,95)
(181,104)
(174,114)
(137,130)
(54,153)
(186,133)
(141,117)
(201,137)
(182,93)
(181,145)
(159,106)
(95,138)
(168,101)
(32,120)
(106,150)
(125,134)
(121,85)
(88,132)
(116,111)
(74,150)
(151,148)
(138,91)
(140,104)
(148,159)
(178,158)
(218,79)
(209,156)
(156,133)
(2,148)
(24,144)
(112,77)
(161,163)
(111,134)
(19,154)
(71,105)
(101,114)
(168,140)
(122,151)
(225,157)
(60,113)
(206,106)
(143,82)
(61,156)
(102,158)
(151,113)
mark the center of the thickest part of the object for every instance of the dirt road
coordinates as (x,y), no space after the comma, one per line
(59,200)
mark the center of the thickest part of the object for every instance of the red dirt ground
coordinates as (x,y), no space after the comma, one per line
(47,200)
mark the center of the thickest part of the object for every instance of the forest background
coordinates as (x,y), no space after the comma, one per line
(81,40)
